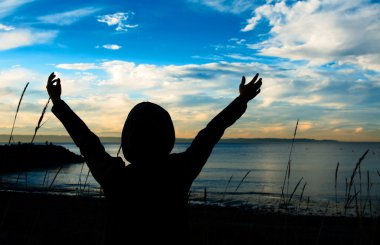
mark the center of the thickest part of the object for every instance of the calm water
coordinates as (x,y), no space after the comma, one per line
(262,164)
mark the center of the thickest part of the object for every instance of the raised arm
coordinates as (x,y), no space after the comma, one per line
(100,162)
(201,147)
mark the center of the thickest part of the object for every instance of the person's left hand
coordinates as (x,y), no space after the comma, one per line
(250,90)
(54,88)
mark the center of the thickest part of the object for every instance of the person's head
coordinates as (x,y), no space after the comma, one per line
(148,134)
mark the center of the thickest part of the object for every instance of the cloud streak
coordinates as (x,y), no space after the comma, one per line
(6,28)
(228,6)
(67,17)
(9,6)
(25,37)
(120,20)
(112,46)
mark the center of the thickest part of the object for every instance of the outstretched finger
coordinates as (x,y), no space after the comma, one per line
(255,78)
(255,85)
(242,81)
(51,78)
(259,83)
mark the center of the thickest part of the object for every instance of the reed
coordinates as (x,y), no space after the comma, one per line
(80,178)
(301,196)
(55,176)
(288,166)
(225,189)
(39,125)
(85,182)
(349,197)
(118,152)
(18,108)
(294,190)
(241,181)
(205,195)
(368,196)
(335,185)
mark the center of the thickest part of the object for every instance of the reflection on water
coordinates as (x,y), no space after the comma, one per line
(262,164)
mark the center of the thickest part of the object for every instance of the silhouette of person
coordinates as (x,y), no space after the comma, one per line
(147,199)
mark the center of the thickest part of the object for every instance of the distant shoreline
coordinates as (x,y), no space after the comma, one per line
(116,140)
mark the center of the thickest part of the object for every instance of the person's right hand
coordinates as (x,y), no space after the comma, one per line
(54,88)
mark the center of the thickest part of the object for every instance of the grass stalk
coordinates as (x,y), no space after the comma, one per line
(80,178)
(18,108)
(336,192)
(118,152)
(45,176)
(205,195)
(225,189)
(351,182)
(294,190)
(55,176)
(368,197)
(307,203)
(301,196)
(85,182)
(241,181)
(288,166)
(39,125)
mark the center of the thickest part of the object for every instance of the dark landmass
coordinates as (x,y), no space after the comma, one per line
(24,157)
(27,218)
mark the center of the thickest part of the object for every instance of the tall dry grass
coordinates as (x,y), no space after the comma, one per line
(350,197)
(39,125)
(288,166)
(17,110)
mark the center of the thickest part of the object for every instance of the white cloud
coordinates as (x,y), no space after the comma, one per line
(239,57)
(68,17)
(78,66)
(112,46)
(229,6)
(358,130)
(120,20)
(6,28)
(24,37)
(321,31)
(8,6)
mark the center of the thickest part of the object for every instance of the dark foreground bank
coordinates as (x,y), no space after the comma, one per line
(47,219)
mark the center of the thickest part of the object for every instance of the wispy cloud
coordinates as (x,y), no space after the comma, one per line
(67,17)
(321,31)
(112,46)
(6,28)
(229,6)
(24,37)
(8,6)
(78,66)
(120,20)
(239,57)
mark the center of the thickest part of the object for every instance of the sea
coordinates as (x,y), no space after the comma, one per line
(310,177)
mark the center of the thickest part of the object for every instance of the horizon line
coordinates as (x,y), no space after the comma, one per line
(114,139)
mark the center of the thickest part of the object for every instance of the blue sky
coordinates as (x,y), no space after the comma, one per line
(319,60)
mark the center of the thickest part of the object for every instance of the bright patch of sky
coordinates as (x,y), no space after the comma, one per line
(319,60)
